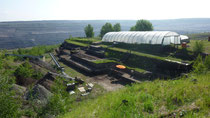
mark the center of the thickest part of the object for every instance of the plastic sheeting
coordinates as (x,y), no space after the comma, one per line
(146,37)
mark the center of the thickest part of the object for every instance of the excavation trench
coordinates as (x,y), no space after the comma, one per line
(107,75)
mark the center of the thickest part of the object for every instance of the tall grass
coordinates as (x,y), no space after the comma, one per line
(150,99)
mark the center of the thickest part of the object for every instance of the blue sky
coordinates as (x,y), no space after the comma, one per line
(22,10)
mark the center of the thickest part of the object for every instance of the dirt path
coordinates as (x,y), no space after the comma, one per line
(107,82)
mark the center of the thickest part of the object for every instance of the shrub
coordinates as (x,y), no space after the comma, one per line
(55,106)
(36,51)
(37,75)
(8,104)
(207,62)
(148,106)
(198,66)
(24,70)
(198,47)
(59,102)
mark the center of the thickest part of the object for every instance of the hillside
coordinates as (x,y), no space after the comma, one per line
(185,97)
(30,33)
(86,81)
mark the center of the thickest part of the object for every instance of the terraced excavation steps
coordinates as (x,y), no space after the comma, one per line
(151,67)
(81,64)
(158,63)
(79,61)
(69,43)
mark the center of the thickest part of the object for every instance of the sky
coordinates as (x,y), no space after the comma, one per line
(25,10)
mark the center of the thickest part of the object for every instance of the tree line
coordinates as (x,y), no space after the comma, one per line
(141,25)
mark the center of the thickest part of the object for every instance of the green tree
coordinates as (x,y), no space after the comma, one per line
(89,31)
(142,25)
(132,28)
(106,28)
(117,27)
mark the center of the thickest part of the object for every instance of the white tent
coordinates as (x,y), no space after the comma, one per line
(144,37)
(184,38)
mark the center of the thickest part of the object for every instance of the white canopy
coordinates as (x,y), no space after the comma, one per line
(144,37)
(184,37)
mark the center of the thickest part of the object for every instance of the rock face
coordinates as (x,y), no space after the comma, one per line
(19,90)
(47,81)
(40,94)
(47,84)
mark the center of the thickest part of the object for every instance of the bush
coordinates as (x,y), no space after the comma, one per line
(24,70)
(9,105)
(55,106)
(198,66)
(148,106)
(207,62)
(198,47)
(36,51)
(59,102)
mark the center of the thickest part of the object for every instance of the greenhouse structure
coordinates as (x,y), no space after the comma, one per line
(143,37)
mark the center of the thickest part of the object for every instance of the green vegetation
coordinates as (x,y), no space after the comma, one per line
(103,61)
(199,36)
(106,28)
(9,102)
(9,105)
(89,31)
(36,51)
(207,62)
(139,53)
(117,27)
(151,99)
(84,42)
(201,65)
(59,103)
(149,51)
(25,70)
(10,68)
(198,47)
(185,96)
(205,43)
(142,25)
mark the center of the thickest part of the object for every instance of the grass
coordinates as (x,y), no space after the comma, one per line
(84,42)
(150,99)
(143,57)
(109,61)
(71,72)
(199,36)
(103,61)
(206,45)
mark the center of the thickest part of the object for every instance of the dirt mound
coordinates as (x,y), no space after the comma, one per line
(25,81)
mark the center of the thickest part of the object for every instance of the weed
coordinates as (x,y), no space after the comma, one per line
(198,47)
